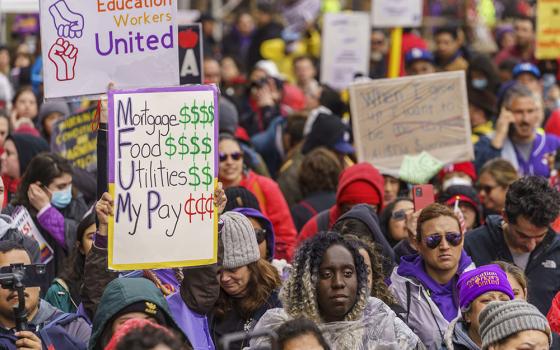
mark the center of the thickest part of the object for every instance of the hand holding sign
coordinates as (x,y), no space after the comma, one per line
(63,55)
(104,209)
(68,24)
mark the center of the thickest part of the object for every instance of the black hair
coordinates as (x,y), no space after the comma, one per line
(148,337)
(385,218)
(43,168)
(355,227)
(524,18)
(9,245)
(73,270)
(534,199)
(447,30)
(484,64)
(298,327)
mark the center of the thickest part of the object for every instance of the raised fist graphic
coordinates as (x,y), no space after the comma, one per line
(63,55)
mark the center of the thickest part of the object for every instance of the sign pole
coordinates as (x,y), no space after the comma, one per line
(396,48)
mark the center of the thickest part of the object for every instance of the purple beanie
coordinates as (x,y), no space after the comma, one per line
(487,278)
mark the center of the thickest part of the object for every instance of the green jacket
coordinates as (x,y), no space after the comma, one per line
(59,296)
(121,293)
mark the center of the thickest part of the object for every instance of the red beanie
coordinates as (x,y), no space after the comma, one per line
(466,168)
(359,191)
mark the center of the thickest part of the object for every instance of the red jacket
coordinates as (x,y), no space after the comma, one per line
(358,172)
(274,206)
(553,315)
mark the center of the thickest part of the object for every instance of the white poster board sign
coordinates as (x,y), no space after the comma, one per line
(162,175)
(88,44)
(392,118)
(396,13)
(25,224)
(345,48)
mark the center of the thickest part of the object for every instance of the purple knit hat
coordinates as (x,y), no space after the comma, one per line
(487,278)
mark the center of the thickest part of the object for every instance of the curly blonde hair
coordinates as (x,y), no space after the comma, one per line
(299,294)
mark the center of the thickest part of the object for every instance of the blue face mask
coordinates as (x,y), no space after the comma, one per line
(479,84)
(61,199)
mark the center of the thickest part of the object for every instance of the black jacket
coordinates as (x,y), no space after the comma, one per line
(486,244)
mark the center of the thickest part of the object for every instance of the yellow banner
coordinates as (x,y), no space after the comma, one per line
(548,29)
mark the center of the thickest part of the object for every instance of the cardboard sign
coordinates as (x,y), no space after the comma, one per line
(190,54)
(162,173)
(345,50)
(74,139)
(548,29)
(392,118)
(88,44)
(396,13)
(24,223)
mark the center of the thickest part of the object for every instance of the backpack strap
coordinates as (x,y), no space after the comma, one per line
(408,297)
(323,221)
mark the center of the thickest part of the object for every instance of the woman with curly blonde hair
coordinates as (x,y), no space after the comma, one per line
(329,285)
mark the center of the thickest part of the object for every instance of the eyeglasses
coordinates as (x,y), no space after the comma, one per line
(485,188)
(453,238)
(261,234)
(235,156)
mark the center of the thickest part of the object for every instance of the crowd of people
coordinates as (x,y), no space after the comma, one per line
(316,250)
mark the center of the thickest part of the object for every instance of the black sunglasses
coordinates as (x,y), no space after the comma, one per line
(261,234)
(453,238)
(234,156)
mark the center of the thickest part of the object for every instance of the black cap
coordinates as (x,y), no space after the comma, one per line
(328,131)
(240,197)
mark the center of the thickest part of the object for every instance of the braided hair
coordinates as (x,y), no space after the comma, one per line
(299,294)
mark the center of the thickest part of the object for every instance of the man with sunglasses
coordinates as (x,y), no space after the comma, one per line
(522,235)
(425,283)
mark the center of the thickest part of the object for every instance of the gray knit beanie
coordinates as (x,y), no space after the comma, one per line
(501,319)
(239,239)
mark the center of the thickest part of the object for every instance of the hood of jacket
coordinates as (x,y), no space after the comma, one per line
(121,293)
(365,214)
(412,266)
(253,213)
(361,172)
(46,313)
(457,334)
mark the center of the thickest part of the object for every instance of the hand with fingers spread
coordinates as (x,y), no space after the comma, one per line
(28,341)
(63,55)
(104,209)
(68,24)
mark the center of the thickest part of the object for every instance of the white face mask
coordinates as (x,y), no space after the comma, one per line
(456,181)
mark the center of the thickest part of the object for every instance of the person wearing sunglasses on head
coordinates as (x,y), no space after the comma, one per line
(271,200)
(522,235)
(425,284)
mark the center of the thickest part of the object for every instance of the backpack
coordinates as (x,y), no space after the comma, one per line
(53,336)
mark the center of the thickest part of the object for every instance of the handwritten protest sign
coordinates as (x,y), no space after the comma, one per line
(87,44)
(162,174)
(74,139)
(23,221)
(392,118)
(548,29)
(396,13)
(190,54)
(345,48)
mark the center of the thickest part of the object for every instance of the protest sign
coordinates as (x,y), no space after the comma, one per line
(23,221)
(393,118)
(345,48)
(162,174)
(190,54)
(548,29)
(396,13)
(74,139)
(88,44)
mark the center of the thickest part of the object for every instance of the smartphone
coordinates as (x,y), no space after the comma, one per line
(422,196)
